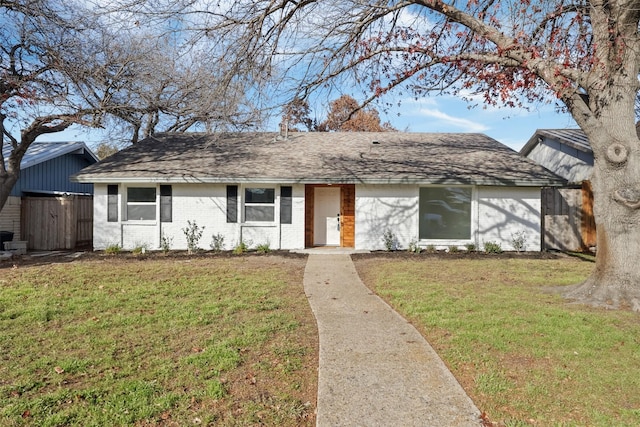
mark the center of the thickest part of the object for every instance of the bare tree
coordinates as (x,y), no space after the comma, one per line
(583,53)
(64,64)
(38,42)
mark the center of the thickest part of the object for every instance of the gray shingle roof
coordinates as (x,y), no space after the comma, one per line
(574,138)
(391,157)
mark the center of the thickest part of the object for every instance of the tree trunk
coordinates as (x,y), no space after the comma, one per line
(7,181)
(615,281)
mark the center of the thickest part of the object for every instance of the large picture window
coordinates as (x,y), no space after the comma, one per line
(259,204)
(445,213)
(141,203)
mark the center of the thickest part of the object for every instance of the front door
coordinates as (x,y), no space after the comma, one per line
(326,213)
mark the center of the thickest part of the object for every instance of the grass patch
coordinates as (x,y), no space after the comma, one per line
(115,341)
(526,357)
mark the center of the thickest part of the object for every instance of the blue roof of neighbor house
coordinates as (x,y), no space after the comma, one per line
(47,166)
(42,151)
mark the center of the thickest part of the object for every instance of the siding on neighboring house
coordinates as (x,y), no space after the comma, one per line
(53,176)
(572,164)
(10,217)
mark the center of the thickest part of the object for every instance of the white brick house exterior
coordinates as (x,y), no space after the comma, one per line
(476,191)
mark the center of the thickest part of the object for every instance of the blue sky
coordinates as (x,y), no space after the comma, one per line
(512,127)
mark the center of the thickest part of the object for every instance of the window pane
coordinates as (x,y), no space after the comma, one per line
(141,212)
(259,195)
(140,194)
(445,213)
(259,213)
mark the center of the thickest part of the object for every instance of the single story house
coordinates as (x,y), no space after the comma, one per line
(44,173)
(567,212)
(303,190)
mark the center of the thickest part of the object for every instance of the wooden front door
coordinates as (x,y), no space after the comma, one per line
(319,226)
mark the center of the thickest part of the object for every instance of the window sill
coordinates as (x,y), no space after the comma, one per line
(258,224)
(140,222)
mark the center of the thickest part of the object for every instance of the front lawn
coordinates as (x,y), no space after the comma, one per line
(177,341)
(523,354)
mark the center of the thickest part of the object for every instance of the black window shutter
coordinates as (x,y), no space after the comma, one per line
(285,205)
(166,204)
(232,203)
(112,203)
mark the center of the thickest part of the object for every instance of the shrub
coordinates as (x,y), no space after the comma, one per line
(390,241)
(263,248)
(165,243)
(519,241)
(241,247)
(471,247)
(113,249)
(492,247)
(413,247)
(217,242)
(431,249)
(453,249)
(140,249)
(193,233)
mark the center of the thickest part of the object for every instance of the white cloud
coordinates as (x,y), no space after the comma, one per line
(446,120)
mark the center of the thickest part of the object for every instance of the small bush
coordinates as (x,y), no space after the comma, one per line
(390,241)
(519,241)
(165,243)
(217,242)
(241,247)
(453,249)
(263,248)
(193,233)
(140,249)
(431,249)
(413,247)
(113,249)
(470,247)
(492,247)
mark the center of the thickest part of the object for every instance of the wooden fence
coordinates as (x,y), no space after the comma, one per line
(51,223)
(567,218)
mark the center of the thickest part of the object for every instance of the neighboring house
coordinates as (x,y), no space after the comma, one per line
(44,172)
(317,189)
(567,212)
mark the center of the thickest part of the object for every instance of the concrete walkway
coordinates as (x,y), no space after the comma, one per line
(375,368)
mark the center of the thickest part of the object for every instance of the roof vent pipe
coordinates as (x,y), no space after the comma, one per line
(284,129)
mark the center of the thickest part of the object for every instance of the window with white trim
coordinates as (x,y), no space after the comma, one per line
(445,213)
(259,204)
(141,203)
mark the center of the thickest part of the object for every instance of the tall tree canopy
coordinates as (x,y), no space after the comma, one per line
(582,53)
(64,63)
(344,115)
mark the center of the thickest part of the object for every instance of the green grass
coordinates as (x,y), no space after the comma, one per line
(155,342)
(524,355)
